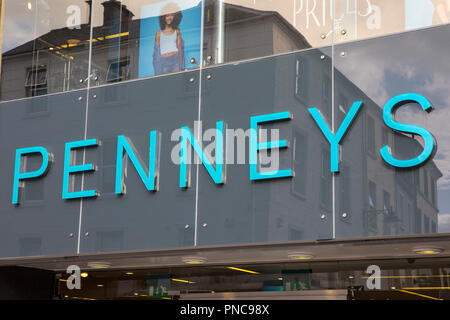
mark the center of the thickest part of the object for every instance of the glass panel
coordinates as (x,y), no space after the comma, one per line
(244,29)
(283,209)
(360,19)
(135,39)
(140,219)
(404,279)
(373,197)
(45,47)
(42,223)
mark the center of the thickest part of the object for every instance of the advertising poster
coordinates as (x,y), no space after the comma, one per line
(169,37)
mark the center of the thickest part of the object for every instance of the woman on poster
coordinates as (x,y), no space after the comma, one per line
(168,53)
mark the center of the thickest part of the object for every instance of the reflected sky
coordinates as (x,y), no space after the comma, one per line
(413,62)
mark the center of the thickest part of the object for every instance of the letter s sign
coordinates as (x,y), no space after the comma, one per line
(388,117)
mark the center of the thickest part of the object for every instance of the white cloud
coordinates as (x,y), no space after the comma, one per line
(410,62)
(444,223)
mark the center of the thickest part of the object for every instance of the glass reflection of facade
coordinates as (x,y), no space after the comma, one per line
(77,70)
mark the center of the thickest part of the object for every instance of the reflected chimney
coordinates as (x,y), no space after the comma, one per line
(89,2)
(115,13)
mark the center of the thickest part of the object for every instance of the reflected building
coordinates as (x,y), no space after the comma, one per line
(370,198)
(57,61)
(309,236)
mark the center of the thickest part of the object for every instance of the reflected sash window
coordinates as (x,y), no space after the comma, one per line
(109,165)
(326,96)
(36,81)
(345,191)
(387,203)
(372,220)
(418,222)
(325,180)
(427,224)
(425,184)
(118,71)
(372,195)
(433,191)
(300,166)
(301,82)
(370,135)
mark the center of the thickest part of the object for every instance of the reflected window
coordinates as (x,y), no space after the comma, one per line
(325,180)
(401,204)
(36,82)
(118,71)
(109,240)
(426,223)
(326,96)
(345,190)
(301,83)
(300,147)
(418,227)
(387,202)
(370,135)
(425,184)
(433,192)
(294,234)
(372,220)
(30,246)
(109,166)
(372,195)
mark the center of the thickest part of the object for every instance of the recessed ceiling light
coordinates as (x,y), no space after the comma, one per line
(98,265)
(300,256)
(280,279)
(129,273)
(100,285)
(427,250)
(73,41)
(194,260)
